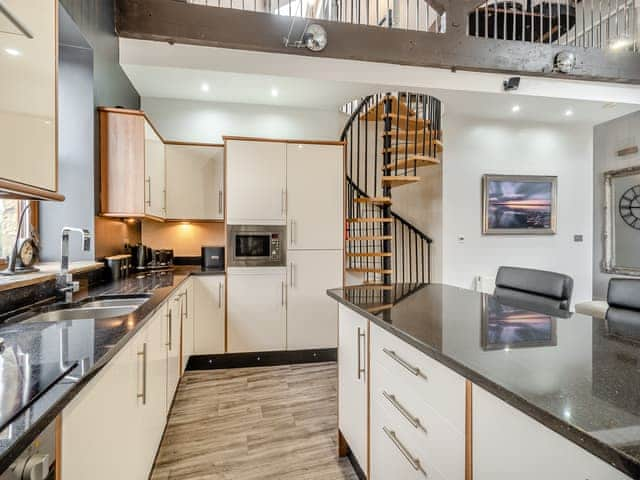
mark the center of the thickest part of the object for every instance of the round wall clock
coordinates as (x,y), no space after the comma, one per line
(629,207)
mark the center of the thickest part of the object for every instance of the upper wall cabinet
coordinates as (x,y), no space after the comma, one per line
(122,163)
(256,182)
(28,99)
(195,181)
(144,176)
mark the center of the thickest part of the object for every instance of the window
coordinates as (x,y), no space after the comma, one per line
(10,211)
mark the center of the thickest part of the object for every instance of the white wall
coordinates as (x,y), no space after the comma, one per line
(192,121)
(474,147)
(608,138)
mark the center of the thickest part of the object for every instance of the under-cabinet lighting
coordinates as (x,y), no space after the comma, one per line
(13,52)
(515,108)
(274,92)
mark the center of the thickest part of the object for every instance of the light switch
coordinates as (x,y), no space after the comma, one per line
(578,238)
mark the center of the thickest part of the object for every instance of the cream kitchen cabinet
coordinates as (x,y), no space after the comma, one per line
(155,199)
(186,296)
(195,179)
(256,309)
(173,329)
(209,314)
(315,183)
(352,383)
(28,102)
(256,182)
(312,317)
(508,444)
(126,403)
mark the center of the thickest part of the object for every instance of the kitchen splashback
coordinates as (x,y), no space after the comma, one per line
(185,239)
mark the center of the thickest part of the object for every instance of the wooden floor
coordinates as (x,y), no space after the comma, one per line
(254,423)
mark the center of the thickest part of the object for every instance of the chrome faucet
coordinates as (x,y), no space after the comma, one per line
(64,281)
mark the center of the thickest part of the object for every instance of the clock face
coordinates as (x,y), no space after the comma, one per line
(629,207)
(27,253)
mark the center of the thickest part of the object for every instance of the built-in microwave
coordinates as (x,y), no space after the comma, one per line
(257,245)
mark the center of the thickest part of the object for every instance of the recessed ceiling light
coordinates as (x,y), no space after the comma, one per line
(568,112)
(12,51)
(622,42)
(515,108)
(204,87)
(274,92)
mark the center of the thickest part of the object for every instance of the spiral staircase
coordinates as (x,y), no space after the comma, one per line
(390,138)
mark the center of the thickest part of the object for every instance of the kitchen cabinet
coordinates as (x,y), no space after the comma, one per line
(188,320)
(352,382)
(173,328)
(209,314)
(155,202)
(126,403)
(312,317)
(195,179)
(123,190)
(256,309)
(28,104)
(517,446)
(315,182)
(256,182)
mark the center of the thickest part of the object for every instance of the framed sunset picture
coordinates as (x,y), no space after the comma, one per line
(519,205)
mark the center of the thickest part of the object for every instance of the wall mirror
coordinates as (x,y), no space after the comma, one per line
(622,221)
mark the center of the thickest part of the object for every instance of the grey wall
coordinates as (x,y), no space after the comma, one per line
(94,19)
(608,138)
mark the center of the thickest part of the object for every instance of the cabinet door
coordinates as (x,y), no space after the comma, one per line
(503,449)
(194,175)
(188,326)
(352,382)
(256,309)
(28,94)
(172,340)
(154,165)
(315,182)
(209,309)
(108,405)
(256,182)
(312,317)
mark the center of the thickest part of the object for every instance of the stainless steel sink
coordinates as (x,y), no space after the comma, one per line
(115,302)
(83,313)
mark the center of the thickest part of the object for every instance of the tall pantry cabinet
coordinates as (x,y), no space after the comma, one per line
(300,185)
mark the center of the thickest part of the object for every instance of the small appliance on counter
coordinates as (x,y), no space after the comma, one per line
(141,256)
(119,266)
(212,258)
(161,258)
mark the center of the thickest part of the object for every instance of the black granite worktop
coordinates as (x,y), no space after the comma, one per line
(91,343)
(571,372)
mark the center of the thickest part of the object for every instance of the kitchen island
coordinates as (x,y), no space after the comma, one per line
(440,381)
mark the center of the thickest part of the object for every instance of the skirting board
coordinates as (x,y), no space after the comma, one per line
(356,466)
(261,359)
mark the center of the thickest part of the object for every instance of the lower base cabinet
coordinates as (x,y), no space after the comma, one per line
(113,427)
(209,314)
(508,444)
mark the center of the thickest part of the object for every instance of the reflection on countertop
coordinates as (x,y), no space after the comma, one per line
(571,372)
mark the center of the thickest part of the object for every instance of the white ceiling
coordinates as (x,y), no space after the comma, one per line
(178,71)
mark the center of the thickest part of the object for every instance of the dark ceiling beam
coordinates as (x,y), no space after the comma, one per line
(175,21)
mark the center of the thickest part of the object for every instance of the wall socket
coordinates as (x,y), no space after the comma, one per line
(578,237)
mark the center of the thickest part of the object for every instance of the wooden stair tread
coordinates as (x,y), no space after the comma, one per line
(369,270)
(371,113)
(370,220)
(379,308)
(402,121)
(399,180)
(369,254)
(411,162)
(411,147)
(370,286)
(412,134)
(369,237)
(374,200)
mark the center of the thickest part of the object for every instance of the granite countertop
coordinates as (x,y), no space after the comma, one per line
(92,343)
(570,372)
(46,271)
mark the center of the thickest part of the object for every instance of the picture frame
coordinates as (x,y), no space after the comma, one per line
(519,204)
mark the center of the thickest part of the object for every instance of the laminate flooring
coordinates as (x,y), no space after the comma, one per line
(254,424)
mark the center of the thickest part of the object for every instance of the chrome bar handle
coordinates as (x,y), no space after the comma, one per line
(291,268)
(143,354)
(414,421)
(415,463)
(361,368)
(186,303)
(416,371)
(164,199)
(15,20)
(282,202)
(292,240)
(169,335)
(220,295)
(148,185)
(284,286)
(220,201)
